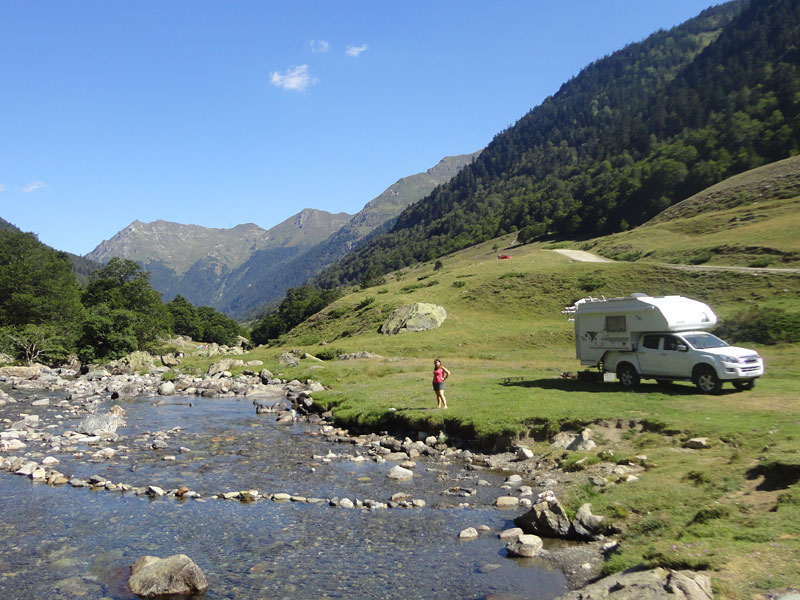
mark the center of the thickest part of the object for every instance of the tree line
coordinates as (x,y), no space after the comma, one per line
(47,315)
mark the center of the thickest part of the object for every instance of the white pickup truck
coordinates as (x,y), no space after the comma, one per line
(662,338)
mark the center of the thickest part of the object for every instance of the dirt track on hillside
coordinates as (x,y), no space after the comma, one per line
(583,256)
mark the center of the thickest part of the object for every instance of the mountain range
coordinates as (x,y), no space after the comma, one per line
(241,269)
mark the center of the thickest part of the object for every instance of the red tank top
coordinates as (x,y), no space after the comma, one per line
(438,375)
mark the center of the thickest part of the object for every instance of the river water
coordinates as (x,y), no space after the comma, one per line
(65,542)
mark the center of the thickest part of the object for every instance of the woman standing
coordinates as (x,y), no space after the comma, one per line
(440,373)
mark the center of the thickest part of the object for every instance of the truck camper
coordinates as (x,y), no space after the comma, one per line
(665,338)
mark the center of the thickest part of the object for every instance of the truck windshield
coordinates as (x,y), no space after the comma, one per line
(704,340)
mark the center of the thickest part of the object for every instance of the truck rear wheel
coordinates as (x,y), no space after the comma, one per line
(627,375)
(707,381)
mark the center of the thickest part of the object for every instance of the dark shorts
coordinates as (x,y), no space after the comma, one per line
(438,386)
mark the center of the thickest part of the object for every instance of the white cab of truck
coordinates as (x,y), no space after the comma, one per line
(660,337)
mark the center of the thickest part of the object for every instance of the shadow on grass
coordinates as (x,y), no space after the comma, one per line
(576,385)
(777,475)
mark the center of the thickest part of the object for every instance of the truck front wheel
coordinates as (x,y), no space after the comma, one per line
(744,384)
(707,381)
(627,375)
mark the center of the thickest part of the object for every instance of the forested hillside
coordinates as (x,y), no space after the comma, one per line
(632,134)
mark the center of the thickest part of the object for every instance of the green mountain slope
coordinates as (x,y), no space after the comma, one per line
(751,220)
(82,267)
(632,134)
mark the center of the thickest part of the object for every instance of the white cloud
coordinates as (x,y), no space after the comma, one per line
(319,46)
(296,78)
(33,186)
(2,188)
(355,50)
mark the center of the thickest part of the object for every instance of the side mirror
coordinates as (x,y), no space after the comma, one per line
(681,348)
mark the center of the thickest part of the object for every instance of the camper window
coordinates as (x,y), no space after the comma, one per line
(616,323)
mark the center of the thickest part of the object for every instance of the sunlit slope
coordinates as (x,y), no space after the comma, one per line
(752,219)
(511,307)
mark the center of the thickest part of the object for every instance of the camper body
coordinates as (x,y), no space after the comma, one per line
(664,338)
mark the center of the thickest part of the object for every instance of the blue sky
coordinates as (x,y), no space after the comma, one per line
(228,112)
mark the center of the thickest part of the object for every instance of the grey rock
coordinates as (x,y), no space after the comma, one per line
(100,424)
(289,359)
(546,518)
(167,388)
(399,473)
(699,443)
(654,584)
(419,316)
(527,545)
(586,525)
(178,574)
(524,453)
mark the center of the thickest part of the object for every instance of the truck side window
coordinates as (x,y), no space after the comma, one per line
(650,341)
(671,342)
(615,323)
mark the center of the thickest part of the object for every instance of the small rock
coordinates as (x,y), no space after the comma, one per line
(527,545)
(507,502)
(399,473)
(510,534)
(699,443)
(470,533)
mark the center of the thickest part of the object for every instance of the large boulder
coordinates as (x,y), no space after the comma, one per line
(586,525)
(101,424)
(22,372)
(582,442)
(224,365)
(526,545)
(546,518)
(655,584)
(135,362)
(419,316)
(175,575)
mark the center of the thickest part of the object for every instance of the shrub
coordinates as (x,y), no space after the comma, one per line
(762,326)
(328,354)
(459,284)
(365,302)
(700,258)
(760,263)
(590,282)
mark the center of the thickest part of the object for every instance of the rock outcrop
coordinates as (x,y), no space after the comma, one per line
(152,577)
(549,519)
(419,316)
(655,584)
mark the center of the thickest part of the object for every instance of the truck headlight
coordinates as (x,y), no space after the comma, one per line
(729,359)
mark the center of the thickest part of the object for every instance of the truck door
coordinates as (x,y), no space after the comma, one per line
(675,359)
(649,354)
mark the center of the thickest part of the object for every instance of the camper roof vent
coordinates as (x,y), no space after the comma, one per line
(639,295)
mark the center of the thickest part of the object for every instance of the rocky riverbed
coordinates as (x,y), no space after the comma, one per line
(167,466)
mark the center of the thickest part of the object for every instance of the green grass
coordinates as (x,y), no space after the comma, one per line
(731,509)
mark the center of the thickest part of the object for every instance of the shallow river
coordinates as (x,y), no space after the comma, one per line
(65,542)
